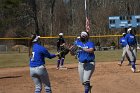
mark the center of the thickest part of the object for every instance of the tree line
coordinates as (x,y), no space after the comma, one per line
(19,18)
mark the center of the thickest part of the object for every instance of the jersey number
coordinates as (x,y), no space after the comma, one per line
(32,57)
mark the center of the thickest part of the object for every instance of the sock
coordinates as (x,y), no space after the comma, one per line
(48,90)
(87,87)
(58,63)
(38,88)
(62,61)
(133,64)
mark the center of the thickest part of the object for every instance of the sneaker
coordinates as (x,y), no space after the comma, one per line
(61,66)
(120,64)
(133,70)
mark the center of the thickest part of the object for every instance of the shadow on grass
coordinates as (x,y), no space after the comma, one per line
(10,77)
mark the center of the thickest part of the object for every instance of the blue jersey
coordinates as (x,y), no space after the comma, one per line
(77,40)
(38,55)
(84,56)
(131,39)
(123,42)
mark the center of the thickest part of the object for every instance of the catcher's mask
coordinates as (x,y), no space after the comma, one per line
(84,36)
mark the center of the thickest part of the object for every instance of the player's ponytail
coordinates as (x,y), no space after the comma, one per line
(31,41)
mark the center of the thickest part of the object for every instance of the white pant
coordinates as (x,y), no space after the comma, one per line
(40,75)
(132,52)
(85,71)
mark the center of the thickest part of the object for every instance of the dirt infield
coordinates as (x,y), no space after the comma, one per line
(107,78)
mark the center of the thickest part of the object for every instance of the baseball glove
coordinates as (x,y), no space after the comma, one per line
(74,49)
(64,51)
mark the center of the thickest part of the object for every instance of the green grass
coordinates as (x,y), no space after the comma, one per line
(21,59)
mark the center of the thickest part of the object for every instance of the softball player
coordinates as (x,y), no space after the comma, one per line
(86,60)
(131,48)
(123,44)
(60,47)
(38,71)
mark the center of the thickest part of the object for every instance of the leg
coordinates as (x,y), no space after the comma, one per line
(128,59)
(37,80)
(87,87)
(81,71)
(88,71)
(135,53)
(132,59)
(62,60)
(45,80)
(123,56)
(58,63)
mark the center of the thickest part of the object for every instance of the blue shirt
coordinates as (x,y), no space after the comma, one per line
(123,42)
(131,39)
(84,56)
(38,55)
(77,40)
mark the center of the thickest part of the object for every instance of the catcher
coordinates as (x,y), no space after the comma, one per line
(62,50)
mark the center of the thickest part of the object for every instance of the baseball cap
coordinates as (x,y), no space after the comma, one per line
(84,34)
(78,37)
(36,39)
(129,29)
(60,34)
(123,33)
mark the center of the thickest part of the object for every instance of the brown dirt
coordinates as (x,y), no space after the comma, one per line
(107,78)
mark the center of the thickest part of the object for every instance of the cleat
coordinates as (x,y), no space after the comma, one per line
(133,70)
(57,68)
(119,64)
(62,67)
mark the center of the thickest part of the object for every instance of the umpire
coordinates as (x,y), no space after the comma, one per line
(60,48)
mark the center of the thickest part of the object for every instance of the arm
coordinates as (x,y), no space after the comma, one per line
(47,54)
(90,50)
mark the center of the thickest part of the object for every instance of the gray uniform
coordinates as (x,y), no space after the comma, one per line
(132,52)
(131,48)
(85,71)
(40,75)
(124,54)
